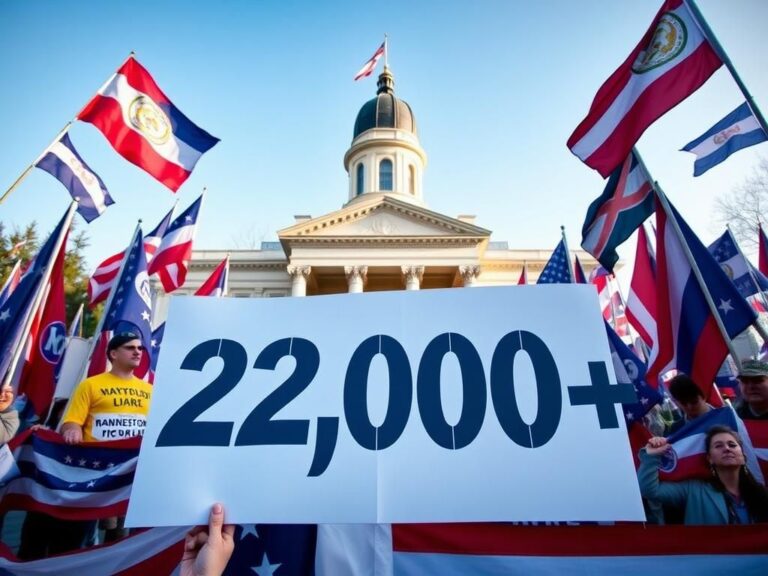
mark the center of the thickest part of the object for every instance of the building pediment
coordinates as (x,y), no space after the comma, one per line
(386,219)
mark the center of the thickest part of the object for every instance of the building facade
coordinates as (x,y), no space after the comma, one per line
(384,237)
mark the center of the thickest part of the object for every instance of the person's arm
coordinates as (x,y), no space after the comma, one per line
(672,493)
(9,424)
(72,432)
(9,418)
(76,414)
(206,553)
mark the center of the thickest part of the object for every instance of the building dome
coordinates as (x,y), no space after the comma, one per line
(385,110)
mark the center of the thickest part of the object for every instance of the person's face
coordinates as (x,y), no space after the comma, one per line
(724,450)
(692,408)
(754,389)
(6,396)
(127,356)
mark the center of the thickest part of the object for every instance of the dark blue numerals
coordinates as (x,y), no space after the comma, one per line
(474,392)
(356,393)
(181,428)
(550,396)
(259,428)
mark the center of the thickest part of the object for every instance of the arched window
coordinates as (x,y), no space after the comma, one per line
(412,179)
(385,175)
(359,185)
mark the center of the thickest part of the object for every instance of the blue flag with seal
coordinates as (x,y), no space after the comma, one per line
(63,162)
(748,279)
(740,129)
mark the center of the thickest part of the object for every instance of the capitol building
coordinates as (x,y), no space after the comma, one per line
(384,236)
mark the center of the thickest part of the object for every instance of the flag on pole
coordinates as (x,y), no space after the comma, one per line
(175,250)
(62,161)
(762,261)
(740,129)
(747,278)
(630,369)
(578,272)
(370,66)
(216,284)
(523,280)
(689,339)
(129,311)
(670,63)
(103,277)
(641,302)
(625,203)
(17,308)
(556,270)
(144,126)
(87,481)
(10,283)
(46,342)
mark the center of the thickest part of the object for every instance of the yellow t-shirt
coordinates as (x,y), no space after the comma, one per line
(110,408)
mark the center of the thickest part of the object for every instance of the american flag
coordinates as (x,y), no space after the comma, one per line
(74,482)
(557,269)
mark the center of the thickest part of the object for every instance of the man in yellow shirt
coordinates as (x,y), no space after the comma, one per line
(112,405)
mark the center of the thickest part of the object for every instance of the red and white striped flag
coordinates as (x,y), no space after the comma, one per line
(670,63)
(105,274)
(370,66)
(641,303)
(175,250)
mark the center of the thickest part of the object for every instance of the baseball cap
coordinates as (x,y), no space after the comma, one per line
(754,368)
(119,339)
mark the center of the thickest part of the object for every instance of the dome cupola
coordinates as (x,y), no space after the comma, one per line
(385,156)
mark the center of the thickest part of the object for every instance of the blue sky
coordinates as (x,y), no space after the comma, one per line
(497,87)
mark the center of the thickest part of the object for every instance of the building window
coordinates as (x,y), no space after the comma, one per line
(412,179)
(385,175)
(360,178)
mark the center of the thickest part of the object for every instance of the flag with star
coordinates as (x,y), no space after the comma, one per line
(87,481)
(274,549)
(689,339)
(748,279)
(631,370)
(175,251)
(557,269)
(21,303)
(129,311)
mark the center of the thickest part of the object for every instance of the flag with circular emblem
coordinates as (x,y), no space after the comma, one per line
(144,126)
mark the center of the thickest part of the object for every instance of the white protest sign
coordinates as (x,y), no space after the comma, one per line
(478,404)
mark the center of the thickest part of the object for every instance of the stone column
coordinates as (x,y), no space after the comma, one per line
(413,276)
(299,275)
(469,274)
(355,278)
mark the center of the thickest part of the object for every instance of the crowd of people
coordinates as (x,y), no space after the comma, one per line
(115,404)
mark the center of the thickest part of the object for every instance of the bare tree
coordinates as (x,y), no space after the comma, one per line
(746,206)
(248,238)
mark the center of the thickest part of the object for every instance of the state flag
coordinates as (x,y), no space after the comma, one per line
(673,59)
(144,126)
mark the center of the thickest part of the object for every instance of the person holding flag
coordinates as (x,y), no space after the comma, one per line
(731,496)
